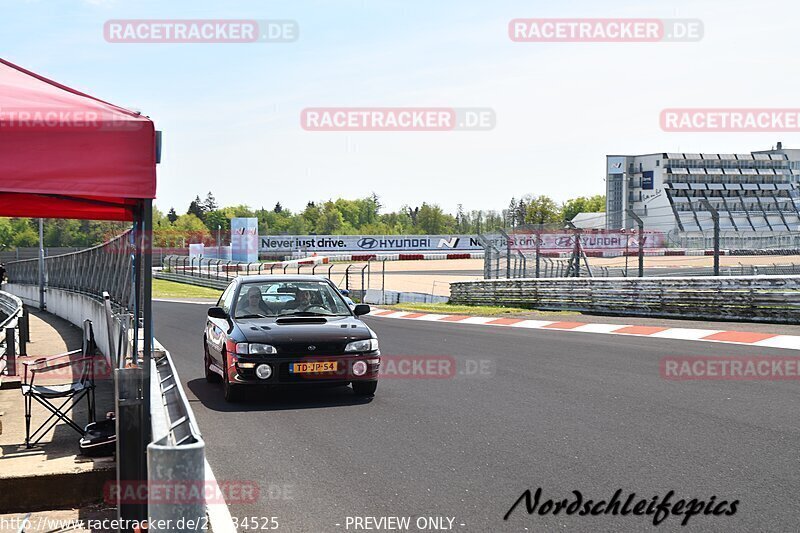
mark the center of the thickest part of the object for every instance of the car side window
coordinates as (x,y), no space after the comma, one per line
(226,299)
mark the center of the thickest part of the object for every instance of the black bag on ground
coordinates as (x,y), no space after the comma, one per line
(99,438)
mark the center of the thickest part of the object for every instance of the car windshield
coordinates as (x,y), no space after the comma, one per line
(289,298)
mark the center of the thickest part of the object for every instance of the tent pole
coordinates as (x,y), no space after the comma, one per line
(147,307)
(41,264)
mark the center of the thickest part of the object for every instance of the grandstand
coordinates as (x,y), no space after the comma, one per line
(756,193)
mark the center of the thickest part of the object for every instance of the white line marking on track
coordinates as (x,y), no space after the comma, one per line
(532,324)
(218,513)
(684,334)
(791,342)
(597,328)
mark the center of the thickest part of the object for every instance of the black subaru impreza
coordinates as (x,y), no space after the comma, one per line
(286,330)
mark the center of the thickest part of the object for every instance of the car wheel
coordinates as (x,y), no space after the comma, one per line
(211,376)
(231,392)
(365,388)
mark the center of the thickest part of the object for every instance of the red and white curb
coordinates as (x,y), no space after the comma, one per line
(750,338)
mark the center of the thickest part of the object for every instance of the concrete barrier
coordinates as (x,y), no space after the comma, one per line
(747,298)
(71,306)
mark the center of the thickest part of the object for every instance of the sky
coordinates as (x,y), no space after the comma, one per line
(230,113)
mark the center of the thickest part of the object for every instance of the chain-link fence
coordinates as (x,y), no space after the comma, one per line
(352,277)
(739,242)
(544,251)
(104,268)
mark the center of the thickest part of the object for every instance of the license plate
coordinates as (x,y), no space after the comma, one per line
(313,367)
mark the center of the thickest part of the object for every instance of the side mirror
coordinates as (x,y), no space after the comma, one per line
(217,312)
(361,309)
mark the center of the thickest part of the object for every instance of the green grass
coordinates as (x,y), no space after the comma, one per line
(170,289)
(481,310)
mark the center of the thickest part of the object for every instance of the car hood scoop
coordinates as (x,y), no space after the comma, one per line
(302,320)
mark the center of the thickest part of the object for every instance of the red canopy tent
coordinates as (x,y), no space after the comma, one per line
(65,154)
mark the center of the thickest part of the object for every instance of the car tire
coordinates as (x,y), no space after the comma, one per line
(365,388)
(211,376)
(230,392)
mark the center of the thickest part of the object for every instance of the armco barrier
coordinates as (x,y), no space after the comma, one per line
(212,283)
(13,333)
(176,455)
(751,298)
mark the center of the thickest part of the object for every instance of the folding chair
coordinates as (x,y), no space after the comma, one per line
(71,393)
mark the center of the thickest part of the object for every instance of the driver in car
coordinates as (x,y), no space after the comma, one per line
(303,301)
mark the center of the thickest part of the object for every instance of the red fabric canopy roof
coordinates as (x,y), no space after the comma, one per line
(65,154)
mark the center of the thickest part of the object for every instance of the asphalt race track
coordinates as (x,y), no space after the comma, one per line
(560,411)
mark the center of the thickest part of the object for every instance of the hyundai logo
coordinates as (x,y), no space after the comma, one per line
(368,243)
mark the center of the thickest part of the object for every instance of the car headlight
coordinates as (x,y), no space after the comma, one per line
(254,348)
(367,345)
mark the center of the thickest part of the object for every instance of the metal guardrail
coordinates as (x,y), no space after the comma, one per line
(752,298)
(13,333)
(176,455)
(162,445)
(212,283)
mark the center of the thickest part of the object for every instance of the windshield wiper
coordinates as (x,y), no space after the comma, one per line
(306,313)
(252,315)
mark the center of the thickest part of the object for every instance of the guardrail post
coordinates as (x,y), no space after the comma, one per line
(538,244)
(177,468)
(24,332)
(640,223)
(363,288)
(131,464)
(715,218)
(11,352)
(383,283)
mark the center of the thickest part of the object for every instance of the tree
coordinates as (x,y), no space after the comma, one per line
(210,203)
(217,219)
(172,215)
(582,204)
(196,208)
(541,210)
(432,220)
(278,208)
(512,212)
(330,220)
(376,201)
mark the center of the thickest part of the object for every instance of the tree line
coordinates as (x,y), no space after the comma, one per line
(205,219)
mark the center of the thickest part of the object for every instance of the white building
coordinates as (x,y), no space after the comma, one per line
(755,192)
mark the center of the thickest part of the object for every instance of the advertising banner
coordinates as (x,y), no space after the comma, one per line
(196,250)
(550,241)
(244,239)
(590,241)
(647,180)
(368,243)
(616,165)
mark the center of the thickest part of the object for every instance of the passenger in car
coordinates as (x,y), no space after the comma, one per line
(254,304)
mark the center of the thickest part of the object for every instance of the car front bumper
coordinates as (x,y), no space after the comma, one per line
(282,374)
